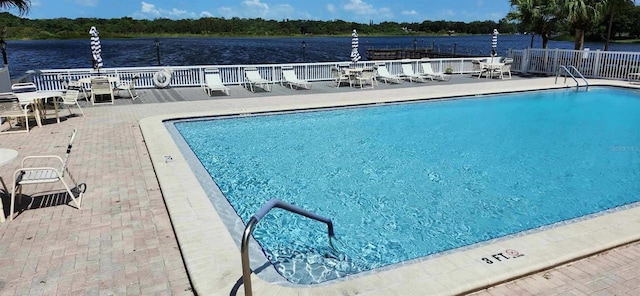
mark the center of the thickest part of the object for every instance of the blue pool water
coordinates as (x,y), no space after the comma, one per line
(405,181)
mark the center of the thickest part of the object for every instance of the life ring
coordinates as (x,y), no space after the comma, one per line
(162,78)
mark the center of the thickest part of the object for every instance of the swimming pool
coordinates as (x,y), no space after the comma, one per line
(611,148)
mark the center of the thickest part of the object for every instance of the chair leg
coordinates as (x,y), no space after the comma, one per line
(81,112)
(76,201)
(13,199)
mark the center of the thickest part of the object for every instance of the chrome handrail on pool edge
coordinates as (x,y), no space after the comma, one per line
(244,247)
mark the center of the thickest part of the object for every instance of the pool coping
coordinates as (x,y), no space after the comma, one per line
(213,259)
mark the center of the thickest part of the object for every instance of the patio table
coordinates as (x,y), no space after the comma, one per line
(36,98)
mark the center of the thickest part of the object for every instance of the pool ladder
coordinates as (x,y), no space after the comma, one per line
(244,246)
(567,70)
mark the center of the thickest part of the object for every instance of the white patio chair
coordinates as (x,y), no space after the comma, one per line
(383,73)
(289,77)
(77,85)
(339,76)
(10,108)
(70,98)
(100,86)
(129,86)
(253,79)
(506,68)
(367,76)
(427,71)
(28,175)
(479,68)
(407,73)
(213,82)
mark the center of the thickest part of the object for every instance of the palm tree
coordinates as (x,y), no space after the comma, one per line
(540,16)
(21,5)
(610,9)
(581,14)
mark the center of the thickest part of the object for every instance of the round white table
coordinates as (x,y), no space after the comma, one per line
(6,156)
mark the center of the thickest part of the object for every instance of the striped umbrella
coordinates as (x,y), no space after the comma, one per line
(355,55)
(494,43)
(96,50)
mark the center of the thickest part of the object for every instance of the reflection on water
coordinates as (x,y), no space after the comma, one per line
(139,52)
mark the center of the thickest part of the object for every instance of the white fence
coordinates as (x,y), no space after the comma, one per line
(190,76)
(592,64)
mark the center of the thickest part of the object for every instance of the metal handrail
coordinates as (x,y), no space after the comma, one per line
(244,247)
(581,76)
(566,70)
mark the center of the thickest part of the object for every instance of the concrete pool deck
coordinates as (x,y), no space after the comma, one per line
(123,240)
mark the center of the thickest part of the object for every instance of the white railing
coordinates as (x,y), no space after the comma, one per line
(592,64)
(190,76)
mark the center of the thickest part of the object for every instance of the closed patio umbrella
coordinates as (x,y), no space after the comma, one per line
(494,43)
(96,49)
(355,55)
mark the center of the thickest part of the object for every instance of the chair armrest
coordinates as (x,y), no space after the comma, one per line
(41,157)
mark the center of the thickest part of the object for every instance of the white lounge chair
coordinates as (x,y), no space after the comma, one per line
(253,79)
(129,86)
(213,82)
(407,73)
(100,86)
(289,77)
(26,175)
(383,73)
(427,71)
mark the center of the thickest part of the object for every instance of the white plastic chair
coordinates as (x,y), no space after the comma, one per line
(384,74)
(27,175)
(427,71)
(100,86)
(213,82)
(71,98)
(367,76)
(289,77)
(10,108)
(407,73)
(339,76)
(129,86)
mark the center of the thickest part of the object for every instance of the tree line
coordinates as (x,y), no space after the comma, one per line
(596,20)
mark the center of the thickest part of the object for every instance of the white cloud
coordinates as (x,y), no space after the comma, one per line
(35,3)
(255,4)
(205,14)
(360,7)
(149,10)
(89,3)
(410,12)
(331,8)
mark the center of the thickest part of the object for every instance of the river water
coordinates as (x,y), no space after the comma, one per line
(26,55)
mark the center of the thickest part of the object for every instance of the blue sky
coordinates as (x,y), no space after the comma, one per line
(360,11)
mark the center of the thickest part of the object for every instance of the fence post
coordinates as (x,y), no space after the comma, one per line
(596,64)
(524,63)
(556,61)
